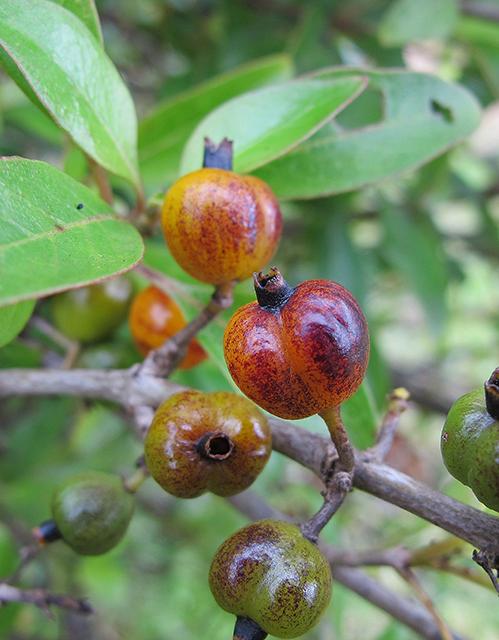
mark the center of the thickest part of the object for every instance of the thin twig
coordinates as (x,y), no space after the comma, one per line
(70,347)
(338,479)
(43,599)
(162,361)
(411,578)
(483,559)
(334,496)
(397,404)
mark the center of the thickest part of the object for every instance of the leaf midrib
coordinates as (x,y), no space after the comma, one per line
(57,232)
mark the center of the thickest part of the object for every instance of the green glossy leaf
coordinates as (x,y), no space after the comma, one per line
(266,123)
(47,244)
(86,12)
(360,416)
(67,70)
(164,132)
(414,249)
(408,20)
(13,318)
(423,117)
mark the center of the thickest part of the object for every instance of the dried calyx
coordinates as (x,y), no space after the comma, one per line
(215,446)
(272,291)
(492,394)
(47,532)
(218,156)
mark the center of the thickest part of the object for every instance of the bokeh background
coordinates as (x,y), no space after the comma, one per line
(419,250)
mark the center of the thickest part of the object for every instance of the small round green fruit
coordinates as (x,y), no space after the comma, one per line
(92,511)
(273,579)
(470,442)
(90,314)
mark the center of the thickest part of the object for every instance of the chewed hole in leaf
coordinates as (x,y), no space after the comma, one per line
(442,111)
(367,109)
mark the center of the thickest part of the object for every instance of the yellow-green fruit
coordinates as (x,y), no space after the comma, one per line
(269,574)
(470,447)
(199,442)
(92,511)
(92,313)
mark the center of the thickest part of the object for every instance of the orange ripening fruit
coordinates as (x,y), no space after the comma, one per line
(221,226)
(155,317)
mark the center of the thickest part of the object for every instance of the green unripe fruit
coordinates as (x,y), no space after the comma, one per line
(470,442)
(92,313)
(92,511)
(272,578)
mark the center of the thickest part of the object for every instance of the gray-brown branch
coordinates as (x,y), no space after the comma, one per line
(42,599)
(315,452)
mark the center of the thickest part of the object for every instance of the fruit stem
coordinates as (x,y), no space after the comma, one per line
(46,532)
(248,629)
(138,477)
(215,446)
(218,156)
(339,436)
(492,394)
(272,291)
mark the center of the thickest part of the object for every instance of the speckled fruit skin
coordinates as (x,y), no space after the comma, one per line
(221,226)
(155,317)
(305,355)
(470,447)
(90,314)
(92,511)
(270,573)
(175,460)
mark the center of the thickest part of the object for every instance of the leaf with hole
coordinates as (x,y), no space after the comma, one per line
(55,59)
(56,234)
(423,116)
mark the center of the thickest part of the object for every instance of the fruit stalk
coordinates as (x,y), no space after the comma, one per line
(138,477)
(339,436)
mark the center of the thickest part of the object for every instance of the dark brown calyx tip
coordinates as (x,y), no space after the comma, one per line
(492,394)
(215,446)
(46,532)
(218,156)
(248,629)
(272,291)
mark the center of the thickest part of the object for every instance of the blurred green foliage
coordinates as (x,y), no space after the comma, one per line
(419,250)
